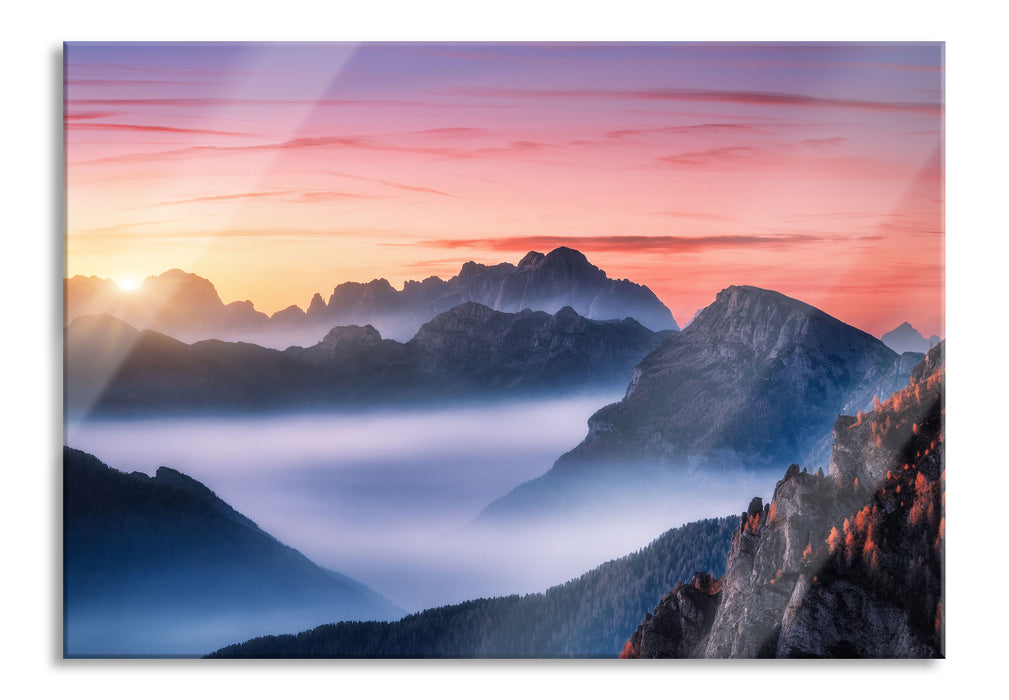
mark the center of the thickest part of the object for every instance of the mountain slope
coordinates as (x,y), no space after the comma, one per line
(755,381)
(590,616)
(187,307)
(161,566)
(470,351)
(847,564)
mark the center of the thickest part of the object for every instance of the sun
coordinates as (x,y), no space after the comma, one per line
(128,284)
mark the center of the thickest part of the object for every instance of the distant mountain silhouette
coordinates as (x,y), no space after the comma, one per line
(904,338)
(754,382)
(469,351)
(177,303)
(156,566)
(187,307)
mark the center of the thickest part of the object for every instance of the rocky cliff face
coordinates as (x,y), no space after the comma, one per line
(679,623)
(754,382)
(188,307)
(843,564)
(757,376)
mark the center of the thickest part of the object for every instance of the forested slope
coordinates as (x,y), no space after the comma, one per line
(591,616)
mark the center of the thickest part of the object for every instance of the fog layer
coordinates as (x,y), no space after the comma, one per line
(390,498)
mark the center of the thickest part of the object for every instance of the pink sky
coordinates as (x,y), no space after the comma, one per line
(278,171)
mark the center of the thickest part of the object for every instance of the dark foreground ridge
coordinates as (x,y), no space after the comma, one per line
(160,566)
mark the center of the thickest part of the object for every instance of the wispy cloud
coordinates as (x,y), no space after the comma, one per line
(702,216)
(514,149)
(838,216)
(133,82)
(682,244)
(127,233)
(510,150)
(75,125)
(724,154)
(171,102)
(123,230)
(206,151)
(453,131)
(723,128)
(306,196)
(77,116)
(824,143)
(390,183)
(739,97)
(439,263)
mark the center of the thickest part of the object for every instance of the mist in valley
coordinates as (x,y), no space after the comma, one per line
(393,498)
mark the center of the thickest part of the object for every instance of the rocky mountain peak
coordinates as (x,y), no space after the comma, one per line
(906,338)
(343,336)
(568,263)
(569,256)
(530,259)
(762,320)
(566,312)
(316,307)
(476,271)
(185,289)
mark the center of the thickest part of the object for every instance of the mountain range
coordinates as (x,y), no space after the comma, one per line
(470,351)
(186,306)
(754,382)
(844,564)
(160,566)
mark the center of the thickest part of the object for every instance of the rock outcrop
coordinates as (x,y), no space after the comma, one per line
(843,564)
(679,623)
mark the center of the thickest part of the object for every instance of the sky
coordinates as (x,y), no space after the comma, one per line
(281,170)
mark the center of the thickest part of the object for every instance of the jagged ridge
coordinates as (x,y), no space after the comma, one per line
(188,307)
